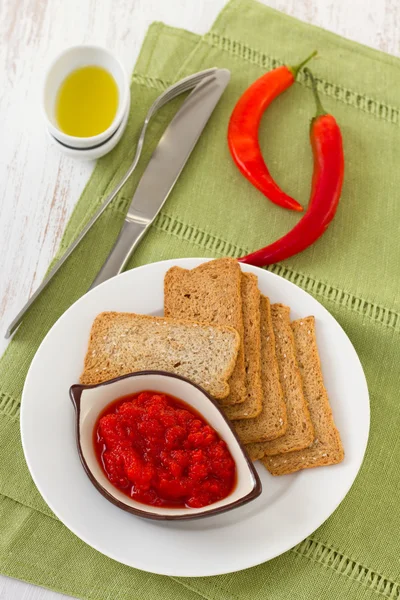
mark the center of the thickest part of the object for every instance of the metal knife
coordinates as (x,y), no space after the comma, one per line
(164,168)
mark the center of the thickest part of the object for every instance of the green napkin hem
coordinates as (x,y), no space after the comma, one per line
(358,100)
(356,581)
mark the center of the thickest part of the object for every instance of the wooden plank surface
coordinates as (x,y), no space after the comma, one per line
(38,186)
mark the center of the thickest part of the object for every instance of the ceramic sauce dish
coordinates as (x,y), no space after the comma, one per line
(90,401)
(67,63)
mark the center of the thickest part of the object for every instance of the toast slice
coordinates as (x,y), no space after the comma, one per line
(272,421)
(326,448)
(122,343)
(252,406)
(300,432)
(210,293)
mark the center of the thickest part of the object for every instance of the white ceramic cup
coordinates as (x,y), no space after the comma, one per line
(66,62)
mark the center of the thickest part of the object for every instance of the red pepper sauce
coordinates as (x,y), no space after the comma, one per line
(159,451)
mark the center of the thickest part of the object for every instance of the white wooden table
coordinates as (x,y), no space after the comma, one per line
(40,187)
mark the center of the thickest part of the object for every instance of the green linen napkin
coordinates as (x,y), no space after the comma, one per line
(213,211)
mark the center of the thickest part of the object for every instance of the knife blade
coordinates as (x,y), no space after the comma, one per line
(163,169)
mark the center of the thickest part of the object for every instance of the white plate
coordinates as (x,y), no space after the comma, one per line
(289,508)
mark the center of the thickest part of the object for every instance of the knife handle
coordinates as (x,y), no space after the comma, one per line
(129,237)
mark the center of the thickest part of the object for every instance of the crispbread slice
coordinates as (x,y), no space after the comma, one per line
(326,448)
(210,293)
(299,433)
(252,406)
(272,421)
(122,343)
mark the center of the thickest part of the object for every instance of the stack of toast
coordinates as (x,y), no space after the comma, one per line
(221,332)
(283,417)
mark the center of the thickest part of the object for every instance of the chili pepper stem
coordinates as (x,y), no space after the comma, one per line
(296,68)
(320,109)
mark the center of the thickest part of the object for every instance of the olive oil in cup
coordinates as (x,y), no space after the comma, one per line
(86,101)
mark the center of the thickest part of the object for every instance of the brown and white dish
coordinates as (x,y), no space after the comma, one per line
(90,400)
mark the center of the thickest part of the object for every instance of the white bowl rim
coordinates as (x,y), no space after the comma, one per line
(75,142)
(75,395)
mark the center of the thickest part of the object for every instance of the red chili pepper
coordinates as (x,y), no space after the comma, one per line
(243,131)
(326,142)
